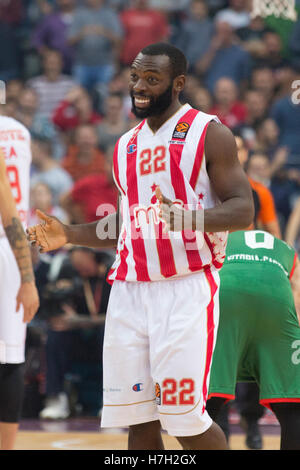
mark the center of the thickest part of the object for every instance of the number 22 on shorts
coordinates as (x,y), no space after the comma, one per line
(176,392)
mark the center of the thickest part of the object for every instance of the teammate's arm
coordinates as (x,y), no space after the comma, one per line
(27,294)
(231,185)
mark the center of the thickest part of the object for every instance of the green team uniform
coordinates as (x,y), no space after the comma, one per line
(259,335)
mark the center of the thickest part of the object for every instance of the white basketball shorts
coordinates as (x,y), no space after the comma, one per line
(12,328)
(158,346)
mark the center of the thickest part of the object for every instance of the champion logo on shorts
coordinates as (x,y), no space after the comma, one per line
(137,387)
(157,394)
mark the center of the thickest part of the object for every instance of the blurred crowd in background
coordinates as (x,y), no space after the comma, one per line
(66,66)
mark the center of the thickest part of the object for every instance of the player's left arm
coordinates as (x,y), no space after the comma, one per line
(16,236)
(231,185)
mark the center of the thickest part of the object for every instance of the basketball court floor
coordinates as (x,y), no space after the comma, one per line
(84,434)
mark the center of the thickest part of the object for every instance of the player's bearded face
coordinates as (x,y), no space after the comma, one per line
(157,104)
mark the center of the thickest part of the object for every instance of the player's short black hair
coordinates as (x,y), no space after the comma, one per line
(177,58)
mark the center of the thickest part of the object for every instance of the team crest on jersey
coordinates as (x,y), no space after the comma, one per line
(131,148)
(180,131)
(157,394)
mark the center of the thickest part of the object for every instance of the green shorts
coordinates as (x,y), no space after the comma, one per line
(258,337)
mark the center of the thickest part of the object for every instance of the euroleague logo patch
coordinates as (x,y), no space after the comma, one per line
(157,394)
(181,130)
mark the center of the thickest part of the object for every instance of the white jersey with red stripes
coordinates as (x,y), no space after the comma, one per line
(173,159)
(15,145)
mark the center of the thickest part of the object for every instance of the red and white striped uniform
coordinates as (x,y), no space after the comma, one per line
(172,158)
(15,145)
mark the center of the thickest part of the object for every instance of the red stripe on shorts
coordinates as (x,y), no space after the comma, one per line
(138,245)
(210,327)
(178,183)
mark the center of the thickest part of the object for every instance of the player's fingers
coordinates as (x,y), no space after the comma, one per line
(162,199)
(43,216)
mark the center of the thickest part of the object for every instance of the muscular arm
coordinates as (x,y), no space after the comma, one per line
(13,227)
(236,210)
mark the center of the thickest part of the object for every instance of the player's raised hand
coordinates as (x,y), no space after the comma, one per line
(172,213)
(49,235)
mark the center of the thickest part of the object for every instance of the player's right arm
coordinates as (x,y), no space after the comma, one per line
(52,234)
(27,294)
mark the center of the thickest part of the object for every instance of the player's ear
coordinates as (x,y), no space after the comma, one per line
(179,83)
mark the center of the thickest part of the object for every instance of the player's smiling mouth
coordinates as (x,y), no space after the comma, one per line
(141,101)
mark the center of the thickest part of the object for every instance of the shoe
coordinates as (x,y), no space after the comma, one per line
(56,408)
(253,435)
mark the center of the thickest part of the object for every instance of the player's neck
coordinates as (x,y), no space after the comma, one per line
(155,122)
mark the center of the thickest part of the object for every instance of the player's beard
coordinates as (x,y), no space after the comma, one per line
(157,105)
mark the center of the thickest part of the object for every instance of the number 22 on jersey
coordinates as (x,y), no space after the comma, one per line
(152,161)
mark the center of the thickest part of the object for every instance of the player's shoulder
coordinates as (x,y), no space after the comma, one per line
(128,136)
(9,123)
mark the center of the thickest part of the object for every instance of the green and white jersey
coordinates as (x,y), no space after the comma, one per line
(261,248)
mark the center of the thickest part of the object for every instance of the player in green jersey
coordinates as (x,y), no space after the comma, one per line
(259,334)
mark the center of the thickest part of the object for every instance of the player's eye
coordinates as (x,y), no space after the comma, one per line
(152,80)
(133,76)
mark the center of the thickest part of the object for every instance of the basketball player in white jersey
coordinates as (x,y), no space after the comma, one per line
(18,295)
(162,317)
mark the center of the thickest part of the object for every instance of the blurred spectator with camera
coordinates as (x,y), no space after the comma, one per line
(76,306)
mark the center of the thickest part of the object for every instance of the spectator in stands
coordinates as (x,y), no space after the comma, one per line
(195,33)
(224,58)
(237,15)
(52,85)
(75,109)
(286,114)
(9,52)
(267,136)
(96,35)
(47,170)
(259,168)
(292,234)
(253,32)
(52,32)
(202,99)
(142,22)
(27,113)
(41,198)
(114,123)
(227,106)
(76,325)
(274,57)
(263,80)
(88,193)
(256,107)
(83,157)
(267,217)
